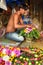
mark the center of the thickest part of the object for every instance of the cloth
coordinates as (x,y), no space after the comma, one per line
(27,20)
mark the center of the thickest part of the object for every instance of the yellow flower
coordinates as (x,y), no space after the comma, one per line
(33,28)
(27,59)
(23,58)
(10,47)
(24,30)
(2,55)
(22,64)
(36,62)
(18,48)
(3,46)
(15,60)
(12,54)
(11,58)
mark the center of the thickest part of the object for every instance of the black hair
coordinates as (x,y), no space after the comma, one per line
(17,7)
(23,7)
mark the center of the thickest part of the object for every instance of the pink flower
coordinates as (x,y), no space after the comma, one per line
(8,51)
(1,48)
(8,63)
(4,50)
(33,62)
(17,52)
(0,60)
(29,29)
(26,63)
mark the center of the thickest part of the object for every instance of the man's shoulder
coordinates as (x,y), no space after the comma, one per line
(15,14)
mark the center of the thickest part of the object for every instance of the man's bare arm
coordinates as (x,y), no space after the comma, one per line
(28,25)
(16,25)
(21,21)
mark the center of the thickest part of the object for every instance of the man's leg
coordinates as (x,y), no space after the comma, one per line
(14,36)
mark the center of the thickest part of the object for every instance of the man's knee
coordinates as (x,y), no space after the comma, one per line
(21,39)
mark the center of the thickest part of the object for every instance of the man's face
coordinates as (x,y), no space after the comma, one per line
(26,12)
(22,11)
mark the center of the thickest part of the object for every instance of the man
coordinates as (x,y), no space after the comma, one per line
(14,24)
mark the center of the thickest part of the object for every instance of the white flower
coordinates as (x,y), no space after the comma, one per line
(4,51)
(12,54)
(6,58)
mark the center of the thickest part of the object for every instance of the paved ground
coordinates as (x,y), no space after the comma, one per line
(26,43)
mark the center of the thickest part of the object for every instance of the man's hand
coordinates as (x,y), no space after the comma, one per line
(31,25)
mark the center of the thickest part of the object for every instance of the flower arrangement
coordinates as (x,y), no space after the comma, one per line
(20,56)
(30,32)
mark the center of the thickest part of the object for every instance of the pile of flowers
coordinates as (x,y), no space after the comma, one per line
(20,56)
(30,32)
(7,54)
(29,56)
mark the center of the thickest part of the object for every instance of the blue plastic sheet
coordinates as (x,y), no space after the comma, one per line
(17,1)
(11,2)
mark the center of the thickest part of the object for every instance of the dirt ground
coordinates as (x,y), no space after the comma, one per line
(26,43)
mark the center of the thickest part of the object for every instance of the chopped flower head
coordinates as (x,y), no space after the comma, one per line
(8,63)
(8,52)
(4,51)
(0,60)
(17,52)
(28,56)
(27,30)
(6,58)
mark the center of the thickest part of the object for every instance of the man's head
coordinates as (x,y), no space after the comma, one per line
(26,12)
(23,10)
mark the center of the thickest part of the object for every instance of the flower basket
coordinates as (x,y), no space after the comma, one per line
(30,33)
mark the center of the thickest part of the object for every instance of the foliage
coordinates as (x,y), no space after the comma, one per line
(31,33)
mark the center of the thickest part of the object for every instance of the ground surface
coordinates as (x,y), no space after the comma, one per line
(26,43)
